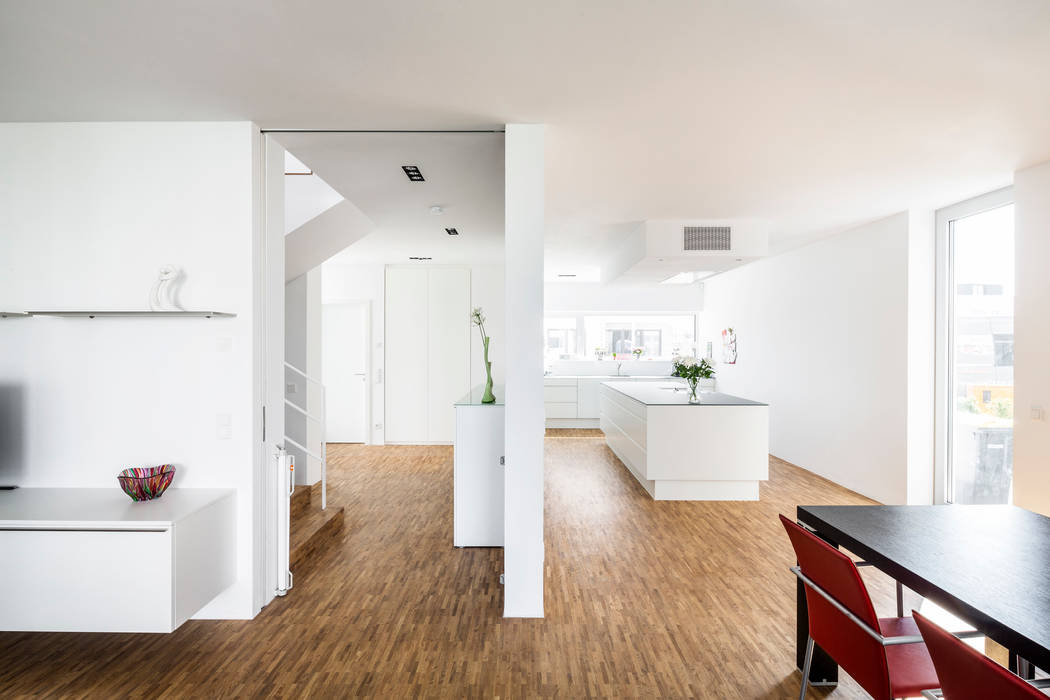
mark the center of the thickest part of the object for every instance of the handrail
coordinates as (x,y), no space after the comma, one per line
(322,421)
(301,447)
(303,374)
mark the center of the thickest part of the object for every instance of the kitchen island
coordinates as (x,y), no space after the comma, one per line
(715,450)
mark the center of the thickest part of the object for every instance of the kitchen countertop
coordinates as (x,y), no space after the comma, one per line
(474,397)
(665,394)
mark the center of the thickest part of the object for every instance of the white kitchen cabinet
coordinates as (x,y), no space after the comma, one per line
(560,410)
(574,402)
(559,394)
(427,342)
(589,391)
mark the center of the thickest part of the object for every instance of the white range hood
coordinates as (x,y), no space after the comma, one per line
(685,251)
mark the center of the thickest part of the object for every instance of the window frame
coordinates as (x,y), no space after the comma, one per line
(945,313)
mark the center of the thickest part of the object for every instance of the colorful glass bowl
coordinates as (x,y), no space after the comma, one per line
(146,483)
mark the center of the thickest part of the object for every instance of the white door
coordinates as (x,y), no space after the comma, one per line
(344,363)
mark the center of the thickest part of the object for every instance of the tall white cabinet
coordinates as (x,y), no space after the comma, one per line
(427,351)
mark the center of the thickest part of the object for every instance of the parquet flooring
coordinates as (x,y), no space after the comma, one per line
(643,599)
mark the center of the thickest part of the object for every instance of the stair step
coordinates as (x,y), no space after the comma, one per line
(301,499)
(313,531)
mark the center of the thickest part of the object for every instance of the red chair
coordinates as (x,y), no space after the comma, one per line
(885,656)
(967,674)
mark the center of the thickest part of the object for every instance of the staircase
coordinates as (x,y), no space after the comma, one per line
(313,530)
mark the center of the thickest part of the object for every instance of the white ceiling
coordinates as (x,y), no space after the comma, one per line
(815,115)
(463,175)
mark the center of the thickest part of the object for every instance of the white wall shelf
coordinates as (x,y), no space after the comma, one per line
(121,314)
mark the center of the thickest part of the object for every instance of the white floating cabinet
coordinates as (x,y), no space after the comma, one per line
(92,560)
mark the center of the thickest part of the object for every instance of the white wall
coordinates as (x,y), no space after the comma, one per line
(613,298)
(1032,339)
(345,283)
(89,212)
(824,335)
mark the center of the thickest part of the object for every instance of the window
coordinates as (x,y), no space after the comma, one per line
(582,336)
(561,338)
(649,341)
(976,395)
(1004,349)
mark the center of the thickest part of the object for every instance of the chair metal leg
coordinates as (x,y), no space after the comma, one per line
(900,599)
(805,668)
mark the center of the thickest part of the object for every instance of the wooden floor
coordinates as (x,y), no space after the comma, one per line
(643,599)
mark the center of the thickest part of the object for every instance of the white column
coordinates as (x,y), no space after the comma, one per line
(1032,333)
(523,494)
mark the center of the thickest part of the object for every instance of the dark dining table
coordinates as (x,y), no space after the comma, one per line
(988,565)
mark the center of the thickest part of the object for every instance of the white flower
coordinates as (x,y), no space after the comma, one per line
(685,361)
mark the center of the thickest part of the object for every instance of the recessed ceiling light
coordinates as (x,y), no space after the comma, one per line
(412,171)
(436,210)
(452,232)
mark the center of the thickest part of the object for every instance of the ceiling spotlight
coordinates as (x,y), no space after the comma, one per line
(561,275)
(436,210)
(412,171)
(452,232)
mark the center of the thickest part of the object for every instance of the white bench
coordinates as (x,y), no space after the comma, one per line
(93,560)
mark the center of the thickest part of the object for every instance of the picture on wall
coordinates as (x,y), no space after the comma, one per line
(729,346)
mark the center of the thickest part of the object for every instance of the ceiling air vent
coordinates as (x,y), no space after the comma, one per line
(452,231)
(707,237)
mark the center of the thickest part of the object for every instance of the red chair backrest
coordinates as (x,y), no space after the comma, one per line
(861,655)
(967,674)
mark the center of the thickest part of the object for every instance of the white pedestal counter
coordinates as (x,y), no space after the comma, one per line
(477,512)
(717,450)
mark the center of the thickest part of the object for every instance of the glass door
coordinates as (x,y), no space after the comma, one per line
(980,382)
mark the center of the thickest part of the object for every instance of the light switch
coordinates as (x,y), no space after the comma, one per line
(1038,413)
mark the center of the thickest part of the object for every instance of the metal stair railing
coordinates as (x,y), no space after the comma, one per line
(320,420)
